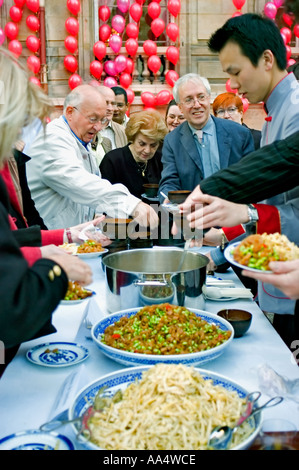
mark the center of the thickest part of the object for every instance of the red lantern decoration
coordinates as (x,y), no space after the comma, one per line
(163,97)
(131,46)
(136,12)
(174,7)
(35,81)
(33,5)
(72,26)
(172,31)
(154,63)
(11,30)
(157,27)
(132,30)
(296,30)
(172,54)
(130,66)
(33,23)
(171,77)
(96,69)
(15,13)
(74,81)
(99,50)
(130,95)
(150,47)
(70,63)
(33,43)
(71,44)
(239,3)
(125,80)
(73,6)
(154,10)
(148,99)
(104,13)
(104,32)
(33,63)
(287,33)
(15,47)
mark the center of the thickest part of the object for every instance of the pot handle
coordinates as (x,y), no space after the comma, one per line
(152,283)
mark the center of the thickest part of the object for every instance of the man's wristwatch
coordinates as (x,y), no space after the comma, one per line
(252,214)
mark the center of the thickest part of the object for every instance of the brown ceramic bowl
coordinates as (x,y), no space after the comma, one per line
(151,190)
(239,319)
(177,197)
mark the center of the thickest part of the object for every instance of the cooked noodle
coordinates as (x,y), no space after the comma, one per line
(172,407)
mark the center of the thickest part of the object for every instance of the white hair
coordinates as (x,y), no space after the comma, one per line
(189,77)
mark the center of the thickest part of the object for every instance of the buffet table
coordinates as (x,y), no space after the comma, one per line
(31,394)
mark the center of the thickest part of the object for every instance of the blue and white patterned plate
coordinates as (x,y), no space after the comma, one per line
(36,440)
(57,354)
(137,359)
(120,379)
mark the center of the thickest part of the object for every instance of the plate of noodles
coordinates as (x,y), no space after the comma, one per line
(162,333)
(160,407)
(255,252)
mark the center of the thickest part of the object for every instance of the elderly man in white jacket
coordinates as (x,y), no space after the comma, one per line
(63,175)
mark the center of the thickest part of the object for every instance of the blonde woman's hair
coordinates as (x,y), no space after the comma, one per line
(20,101)
(150,123)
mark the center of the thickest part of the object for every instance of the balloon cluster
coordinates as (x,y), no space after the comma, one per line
(71,43)
(11,32)
(121,68)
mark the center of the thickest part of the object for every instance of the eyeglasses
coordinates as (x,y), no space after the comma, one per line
(189,102)
(92,119)
(230,111)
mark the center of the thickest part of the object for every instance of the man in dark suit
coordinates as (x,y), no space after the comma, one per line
(203,144)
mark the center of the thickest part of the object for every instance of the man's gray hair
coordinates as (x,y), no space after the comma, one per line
(189,77)
(74,98)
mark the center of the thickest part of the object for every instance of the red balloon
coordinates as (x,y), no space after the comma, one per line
(71,44)
(72,26)
(33,23)
(15,47)
(33,63)
(11,30)
(125,80)
(239,3)
(132,30)
(245,104)
(33,5)
(136,12)
(33,43)
(287,33)
(70,63)
(228,87)
(171,76)
(148,99)
(163,97)
(130,66)
(74,81)
(73,6)
(172,31)
(35,80)
(131,46)
(174,7)
(104,13)
(296,30)
(130,95)
(157,26)
(15,13)
(288,18)
(288,52)
(154,63)
(96,69)
(140,1)
(172,54)
(236,13)
(104,32)
(99,50)
(20,3)
(150,47)
(154,10)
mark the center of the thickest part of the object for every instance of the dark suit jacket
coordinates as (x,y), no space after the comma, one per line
(181,163)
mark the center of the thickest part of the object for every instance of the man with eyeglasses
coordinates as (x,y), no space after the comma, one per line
(201,145)
(121,106)
(63,175)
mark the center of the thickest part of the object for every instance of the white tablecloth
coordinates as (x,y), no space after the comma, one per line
(31,394)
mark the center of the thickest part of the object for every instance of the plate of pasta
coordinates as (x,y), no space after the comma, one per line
(255,252)
(162,333)
(161,407)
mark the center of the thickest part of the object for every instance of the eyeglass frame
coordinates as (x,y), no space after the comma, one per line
(229,111)
(190,102)
(92,120)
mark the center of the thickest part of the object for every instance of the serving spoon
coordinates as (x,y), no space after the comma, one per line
(221,436)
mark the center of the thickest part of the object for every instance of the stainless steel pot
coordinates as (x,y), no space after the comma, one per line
(134,277)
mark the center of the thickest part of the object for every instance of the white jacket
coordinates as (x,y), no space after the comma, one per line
(65,182)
